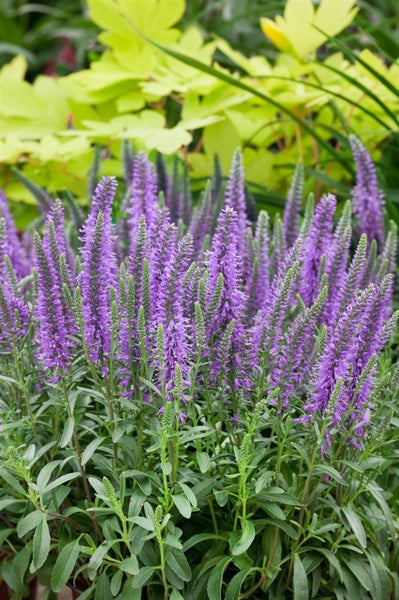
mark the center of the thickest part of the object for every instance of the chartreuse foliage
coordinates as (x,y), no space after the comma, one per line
(162,88)
(195,406)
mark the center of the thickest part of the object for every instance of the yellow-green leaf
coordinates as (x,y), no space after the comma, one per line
(297,32)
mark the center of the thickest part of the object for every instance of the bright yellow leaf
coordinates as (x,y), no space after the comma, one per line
(298,32)
(276,35)
(15,70)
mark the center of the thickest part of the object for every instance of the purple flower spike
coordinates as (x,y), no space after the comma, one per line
(225,312)
(258,266)
(224,260)
(368,200)
(14,316)
(235,198)
(293,206)
(99,271)
(316,244)
(55,321)
(344,374)
(11,244)
(201,225)
(143,197)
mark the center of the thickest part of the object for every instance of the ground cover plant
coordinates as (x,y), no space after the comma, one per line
(168,86)
(196,405)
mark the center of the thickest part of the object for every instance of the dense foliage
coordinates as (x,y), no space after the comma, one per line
(170,88)
(196,405)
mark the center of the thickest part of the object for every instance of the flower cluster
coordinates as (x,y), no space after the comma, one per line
(228,305)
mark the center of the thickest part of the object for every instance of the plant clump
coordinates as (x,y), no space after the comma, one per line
(205,381)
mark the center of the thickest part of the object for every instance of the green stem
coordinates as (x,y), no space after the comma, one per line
(109,397)
(26,397)
(304,503)
(79,455)
(163,561)
(213,516)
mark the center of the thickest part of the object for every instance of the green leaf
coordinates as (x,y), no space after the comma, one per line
(359,572)
(323,470)
(12,481)
(14,572)
(234,587)
(363,88)
(116,582)
(204,462)
(45,474)
(177,561)
(41,545)
(379,575)
(297,33)
(378,495)
(130,565)
(189,494)
(9,380)
(142,522)
(357,58)
(355,524)
(4,533)
(60,481)
(221,497)
(68,432)
(215,581)
(332,559)
(202,537)
(64,565)
(90,449)
(246,539)
(300,581)
(97,558)
(144,574)
(262,481)
(103,587)
(332,93)
(182,505)
(29,522)
(237,83)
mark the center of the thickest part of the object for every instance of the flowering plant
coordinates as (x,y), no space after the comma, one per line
(195,405)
